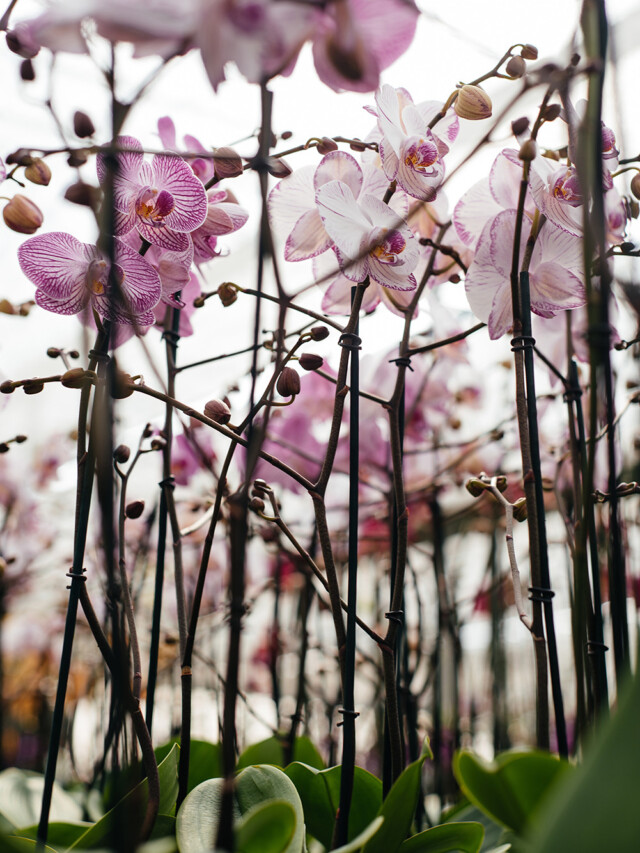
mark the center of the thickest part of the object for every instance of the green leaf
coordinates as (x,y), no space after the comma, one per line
(21,800)
(130,810)
(511,788)
(596,809)
(465,812)
(398,810)
(271,751)
(17,844)
(446,838)
(60,835)
(205,760)
(366,798)
(360,840)
(266,828)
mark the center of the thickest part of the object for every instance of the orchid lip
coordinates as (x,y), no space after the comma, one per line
(154,205)
(421,156)
(97,276)
(388,246)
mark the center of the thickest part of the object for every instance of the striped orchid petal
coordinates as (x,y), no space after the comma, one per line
(127,177)
(56,263)
(173,175)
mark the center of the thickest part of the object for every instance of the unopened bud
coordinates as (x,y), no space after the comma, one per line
(319,333)
(357,145)
(528,150)
(4,447)
(227,163)
(77,158)
(288,384)
(277,167)
(122,385)
(310,361)
(551,112)
(501,483)
(20,439)
(7,307)
(218,411)
(476,487)
(635,185)
(634,208)
(472,103)
(260,488)
(520,509)
(19,41)
(27,71)
(256,504)
(122,453)
(22,215)
(7,387)
(227,293)
(73,378)
(516,67)
(53,352)
(38,173)
(326,145)
(83,194)
(520,126)
(82,125)
(134,509)
(21,157)
(32,386)
(529,51)
(158,443)
(287,134)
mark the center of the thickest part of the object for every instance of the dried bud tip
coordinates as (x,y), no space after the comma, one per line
(134,509)
(227,163)
(516,67)
(121,454)
(472,103)
(82,125)
(227,293)
(635,185)
(310,361)
(218,411)
(38,172)
(501,483)
(318,333)
(520,126)
(22,215)
(326,145)
(288,384)
(256,504)
(74,378)
(520,509)
(529,51)
(528,150)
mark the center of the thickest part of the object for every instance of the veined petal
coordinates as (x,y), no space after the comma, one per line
(557,211)
(189,195)
(504,179)
(554,288)
(127,178)
(123,223)
(389,159)
(56,263)
(343,219)
(72,304)
(500,319)
(307,239)
(290,198)
(356,269)
(476,207)
(174,241)
(141,287)
(389,120)
(447,127)
(556,245)
(339,166)
(501,231)
(397,278)
(422,185)
(167,133)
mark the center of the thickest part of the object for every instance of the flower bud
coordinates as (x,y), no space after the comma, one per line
(318,333)
(77,158)
(121,454)
(20,439)
(32,386)
(529,51)
(7,387)
(476,487)
(528,150)
(84,194)
(4,448)
(325,145)
(158,443)
(227,293)
(27,71)
(6,307)
(256,504)
(260,487)
(218,411)
(472,103)
(19,41)
(501,483)
(73,378)
(82,125)
(227,163)
(277,167)
(635,185)
(551,112)
(22,215)
(134,509)
(310,361)
(634,208)
(520,509)
(53,352)
(516,67)
(20,157)
(357,145)
(38,172)
(520,126)
(287,134)
(121,385)
(288,384)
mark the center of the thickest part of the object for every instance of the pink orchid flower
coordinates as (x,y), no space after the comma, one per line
(71,276)
(172,268)
(357,39)
(411,153)
(369,238)
(224,216)
(202,166)
(554,272)
(163,200)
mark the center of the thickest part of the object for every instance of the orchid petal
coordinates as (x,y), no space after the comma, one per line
(174,241)
(339,166)
(190,199)
(126,179)
(389,120)
(554,288)
(500,319)
(472,212)
(290,198)
(56,263)
(343,219)
(72,304)
(307,239)
(167,133)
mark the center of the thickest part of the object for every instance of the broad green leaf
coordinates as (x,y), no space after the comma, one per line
(271,751)
(165,826)
(129,811)
(446,838)
(16,844)
(511,788)
(60,835)
(319,813)
(205,760)
(398,810)
(366,798)
(465,812)
(21,799)
(597,807)
(360,840)
(266,828)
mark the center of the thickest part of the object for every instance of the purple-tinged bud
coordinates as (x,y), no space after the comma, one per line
(520,509)
(121,454)
(22,215)
(32,386)
(551,112)
(529,51)
(27,71)
(455,278)
(473,103)
(357,145)
(82,125)
(19,41)
(288,384)
(74,378)
(256,504)
(318,333)
(20,157)
(277,167)
(310,361)
(83,194)
(287,134)
(635,185)
(7,387)
(218,411)
(227,163)
(520,126)
(516,67)
(77,158)
(134,509)
(38,173)
(227,293)
(528,150)
(326,145)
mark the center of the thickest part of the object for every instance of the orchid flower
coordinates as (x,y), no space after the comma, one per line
(554,273)
(224,216)
(172,268)
(411,153)
(163,200)
(369,238)
(202,166)
(71,276)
